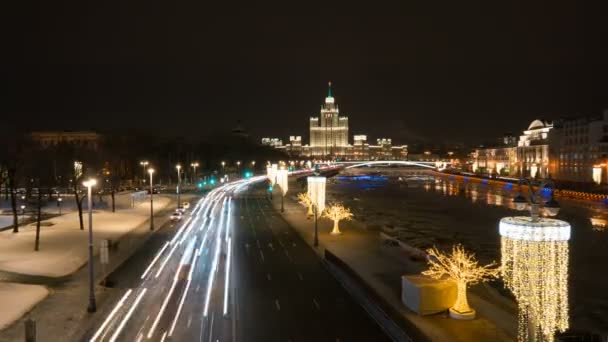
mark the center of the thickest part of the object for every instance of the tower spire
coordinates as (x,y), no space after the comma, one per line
(329,89)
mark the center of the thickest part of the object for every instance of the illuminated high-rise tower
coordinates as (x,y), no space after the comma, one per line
(329,132)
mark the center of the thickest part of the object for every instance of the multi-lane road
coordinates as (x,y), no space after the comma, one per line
(233,270)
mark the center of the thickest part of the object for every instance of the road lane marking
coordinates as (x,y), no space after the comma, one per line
(268,276)
(262,255)
(198,287)
(316,304)
(128,316)
(258,242)
(189,321)
(111,315)
(270,245)
(164,336)
(155,259)
(211,327)
(277,305)
(300,276)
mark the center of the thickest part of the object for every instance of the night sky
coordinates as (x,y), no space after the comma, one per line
(424,70)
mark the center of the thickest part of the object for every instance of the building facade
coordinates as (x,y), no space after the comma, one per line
(81,139)
(329,139)
(329,131)
(579,150)
(529,157)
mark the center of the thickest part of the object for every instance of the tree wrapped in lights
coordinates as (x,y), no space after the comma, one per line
(337,212)
(462,268)
(535,268)
(305,200)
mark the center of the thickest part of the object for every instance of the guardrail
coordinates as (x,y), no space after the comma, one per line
(409,330)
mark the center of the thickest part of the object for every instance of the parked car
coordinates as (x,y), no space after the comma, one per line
(176,216)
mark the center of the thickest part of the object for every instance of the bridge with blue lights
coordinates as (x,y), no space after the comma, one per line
(426,164)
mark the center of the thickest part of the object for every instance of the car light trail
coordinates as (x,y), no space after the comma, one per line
(111,315)
(181,302)
(128,316)
(155,259)
(213,269)
(228,219)
(227,276)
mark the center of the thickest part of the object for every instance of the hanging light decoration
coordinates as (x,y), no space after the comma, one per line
(282,176)
(535,268)
(273,174)
(316,192)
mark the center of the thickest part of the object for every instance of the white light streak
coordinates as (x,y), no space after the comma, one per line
(128,316)
(111,315)
(154,260)
(227,276)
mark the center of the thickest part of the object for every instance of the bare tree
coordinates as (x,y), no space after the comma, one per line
(461,267)
(305,200)
(337,212)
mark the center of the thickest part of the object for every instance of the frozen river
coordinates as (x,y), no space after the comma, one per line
(441,212)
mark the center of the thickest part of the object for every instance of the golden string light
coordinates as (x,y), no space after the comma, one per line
(535,269)
(337,212)
(461,267)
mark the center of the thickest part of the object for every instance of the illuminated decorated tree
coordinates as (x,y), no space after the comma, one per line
(337,212)
(304,199)
(462,268)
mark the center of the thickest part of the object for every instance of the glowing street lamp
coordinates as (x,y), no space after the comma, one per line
(194,166)
(179,183)
(90,184)
(316,192)
(59,200)
(534,255)
(282,177)
(223,165)
(144,164)
(151,171)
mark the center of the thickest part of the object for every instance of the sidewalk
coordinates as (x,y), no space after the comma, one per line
(63,246)
(60,316)
(382,267)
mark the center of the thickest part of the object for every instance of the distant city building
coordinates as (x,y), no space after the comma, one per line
(329,132)
(533,150)
(84,139)
(272,142)
(570,151)
(579,150)
(329,138)
(529,158)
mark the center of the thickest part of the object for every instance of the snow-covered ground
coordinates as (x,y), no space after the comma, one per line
(63,246)
(443,213)
(17,299)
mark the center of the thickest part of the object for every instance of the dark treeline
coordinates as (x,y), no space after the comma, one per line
(29,169)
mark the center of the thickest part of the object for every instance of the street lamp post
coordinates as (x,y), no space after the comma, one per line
(534,254)
(238,166)
(59,200)
(179,183)
(92,306)
(151,171)
(223,165)
(194,166)
(22,212)
(143,165)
